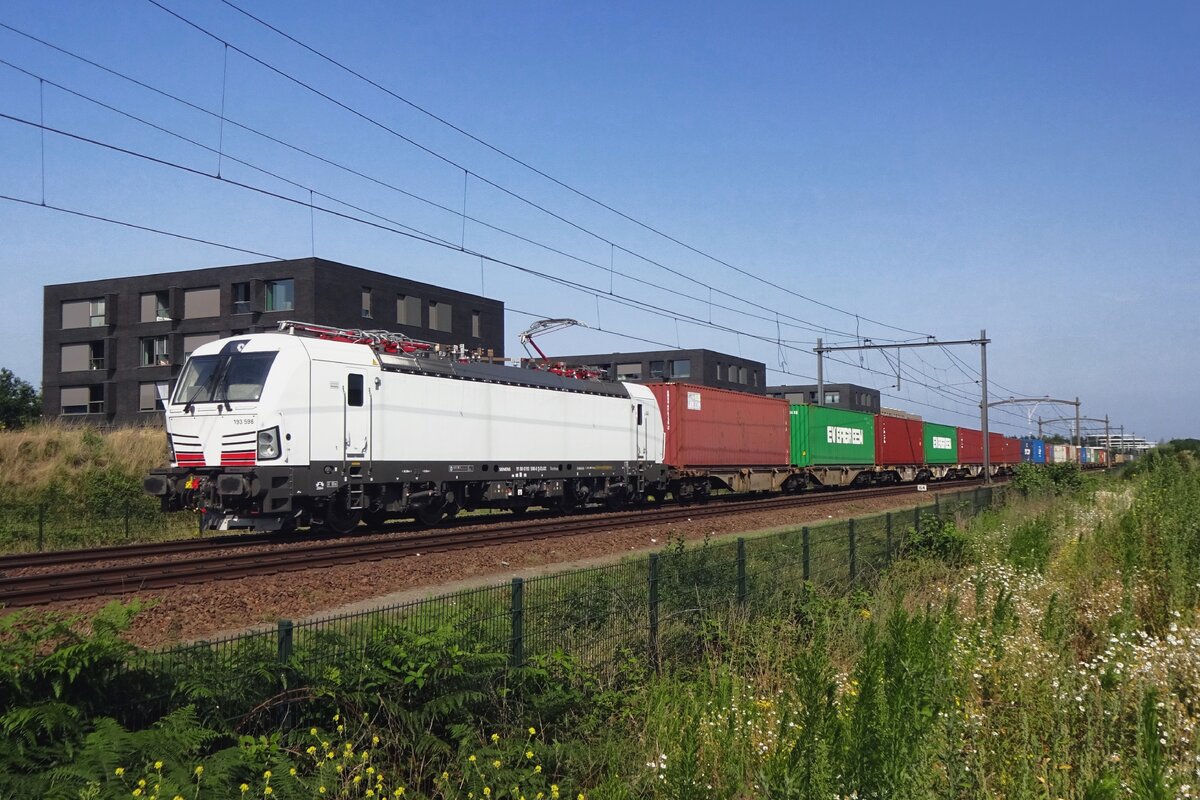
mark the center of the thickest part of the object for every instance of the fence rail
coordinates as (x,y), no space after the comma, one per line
(649,607)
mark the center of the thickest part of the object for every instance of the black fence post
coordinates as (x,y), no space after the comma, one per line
(653,586)
(853,539)
(285,641)
(888,532)
(41,527)
(804,553)
(741,570)
(518,622)
(937,506)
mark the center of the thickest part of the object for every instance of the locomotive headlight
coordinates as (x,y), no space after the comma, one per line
(268,444)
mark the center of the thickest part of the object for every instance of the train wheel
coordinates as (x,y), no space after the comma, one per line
(429,515)
(339,517)
(451,510)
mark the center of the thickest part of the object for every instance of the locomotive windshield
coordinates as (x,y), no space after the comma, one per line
(223,378)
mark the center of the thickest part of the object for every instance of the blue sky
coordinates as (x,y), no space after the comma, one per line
(1030,169)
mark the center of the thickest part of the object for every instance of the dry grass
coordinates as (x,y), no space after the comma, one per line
(39,456)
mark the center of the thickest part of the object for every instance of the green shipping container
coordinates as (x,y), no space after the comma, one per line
(831,436)
(941,444)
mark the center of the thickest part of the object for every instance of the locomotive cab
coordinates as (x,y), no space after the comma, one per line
(228,438)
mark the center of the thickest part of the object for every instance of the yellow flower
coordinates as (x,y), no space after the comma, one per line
(245,788)
(341,728)
(141,783)
(529,754)
(487,791)
(158,765)
(312,749)
(538,768)
(199,770)
(495,737)
(370,770)
(336,717)
(400,791)
(471,759)
(445,776)
(321,790)
(268,790)
(292,771)
(533,731)
(370,793)
(357,779)
(267,774)
(496,763)
(178,797)
(329,754)
(119,771)
(374,740)
(137,792)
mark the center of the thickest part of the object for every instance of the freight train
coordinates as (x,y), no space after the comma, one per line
(328,427)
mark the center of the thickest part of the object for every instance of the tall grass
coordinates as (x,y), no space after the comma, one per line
(71,486)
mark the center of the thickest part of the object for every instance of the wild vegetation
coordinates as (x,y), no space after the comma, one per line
(80,486)
(1049,649)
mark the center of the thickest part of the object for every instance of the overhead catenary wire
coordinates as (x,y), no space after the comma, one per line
(499,187)
(558,182)
(768,314)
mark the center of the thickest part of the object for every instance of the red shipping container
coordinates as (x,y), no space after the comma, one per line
(899,441)
(1003,449)
(707,427)
(970,446)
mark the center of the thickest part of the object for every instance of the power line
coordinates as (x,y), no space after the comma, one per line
(541,173)
(770,315)
(499,187)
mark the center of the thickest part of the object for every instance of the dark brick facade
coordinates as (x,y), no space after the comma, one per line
(837,395)
(107,365)
(703,367)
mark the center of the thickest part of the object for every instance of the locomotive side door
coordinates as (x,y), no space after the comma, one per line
(356,416)
(640,431)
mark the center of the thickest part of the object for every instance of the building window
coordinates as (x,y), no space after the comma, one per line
(155,351)
(408,310)
(200,303)
(82,356)
(151,396)
(833,398)
(629,372)
(241,298)
(84,313)
(720,371)
(656,370)
(439,316)
(682,368)
(742,376)
(194,340)
(281,295)
(82,399)
(476,324)
(155,307)
(754,377)
(366,302)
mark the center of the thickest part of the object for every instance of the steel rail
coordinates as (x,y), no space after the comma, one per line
(123,578)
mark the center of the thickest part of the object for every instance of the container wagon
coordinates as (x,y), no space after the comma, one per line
(720,439)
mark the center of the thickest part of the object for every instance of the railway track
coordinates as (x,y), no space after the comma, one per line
(128,570)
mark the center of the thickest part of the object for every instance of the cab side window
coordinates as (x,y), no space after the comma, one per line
(354,389)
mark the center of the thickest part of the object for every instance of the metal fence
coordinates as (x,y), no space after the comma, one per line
(653,608)
(37,527)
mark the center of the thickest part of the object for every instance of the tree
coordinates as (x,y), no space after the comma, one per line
(20,403)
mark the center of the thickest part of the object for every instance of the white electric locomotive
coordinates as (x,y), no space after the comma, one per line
(324,426)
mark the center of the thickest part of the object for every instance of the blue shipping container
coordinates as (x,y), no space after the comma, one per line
(1033,451)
